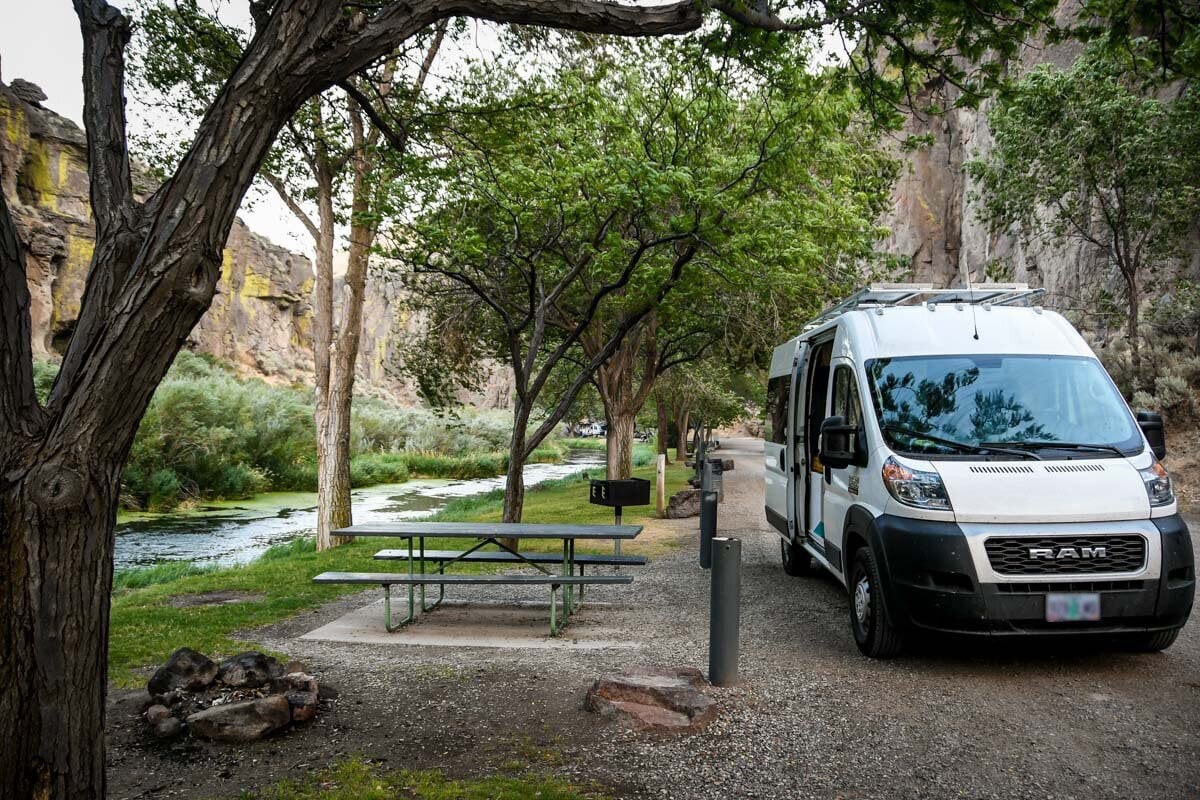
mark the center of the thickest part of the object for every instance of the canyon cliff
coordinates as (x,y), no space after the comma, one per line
(259,321)
(934,223)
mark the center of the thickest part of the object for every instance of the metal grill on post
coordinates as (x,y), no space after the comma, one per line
(618,494)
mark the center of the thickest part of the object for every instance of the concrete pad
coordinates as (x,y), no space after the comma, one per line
(522,626)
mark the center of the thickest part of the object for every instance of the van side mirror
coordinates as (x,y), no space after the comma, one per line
(840,444)
(1152,425)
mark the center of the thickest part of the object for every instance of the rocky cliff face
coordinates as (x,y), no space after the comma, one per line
(261,317)
(934,221)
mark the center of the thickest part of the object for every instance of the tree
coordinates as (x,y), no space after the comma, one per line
(1082,154)
(619,202)
(185,57)
(154,270)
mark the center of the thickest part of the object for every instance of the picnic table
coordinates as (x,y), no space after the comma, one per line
(483,535)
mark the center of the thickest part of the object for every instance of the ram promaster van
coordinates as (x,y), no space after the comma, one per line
(962,463)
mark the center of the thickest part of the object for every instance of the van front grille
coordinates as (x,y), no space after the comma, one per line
(1066,555)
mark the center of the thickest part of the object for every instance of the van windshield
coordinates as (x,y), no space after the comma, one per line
(951,405)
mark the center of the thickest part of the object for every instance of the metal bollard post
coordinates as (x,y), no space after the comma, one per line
(706,476)
(724,611)
(708,526)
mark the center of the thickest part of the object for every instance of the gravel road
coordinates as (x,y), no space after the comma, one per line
(812,717)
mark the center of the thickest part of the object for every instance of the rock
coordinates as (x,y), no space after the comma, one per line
(29,92)
(654,698)
(157,713)
(185,669)
(249,670)
(684,503)
(294,666)
(245,721)
(303,705)
(168,728)
(293,682)
(327,692)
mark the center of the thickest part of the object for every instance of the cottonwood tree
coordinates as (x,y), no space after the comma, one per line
(574,223)
(331,165)
(153,274)
(1084,155)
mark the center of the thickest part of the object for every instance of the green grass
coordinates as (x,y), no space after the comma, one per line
(355,779)
(146,628)
(141,577)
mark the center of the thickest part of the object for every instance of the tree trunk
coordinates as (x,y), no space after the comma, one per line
(619,441)
(1135,350)
(681,434)
(514,479)
(56,540)
(331,514)
(662,435)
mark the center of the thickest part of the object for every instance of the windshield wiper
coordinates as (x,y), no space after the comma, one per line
(1069,446)
(962,447)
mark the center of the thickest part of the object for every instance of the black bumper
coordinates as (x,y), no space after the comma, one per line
(932,585)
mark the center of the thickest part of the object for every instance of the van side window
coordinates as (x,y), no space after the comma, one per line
(779,391)
(845,399)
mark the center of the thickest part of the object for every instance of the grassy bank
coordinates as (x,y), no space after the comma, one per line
(209,434)
(149,620)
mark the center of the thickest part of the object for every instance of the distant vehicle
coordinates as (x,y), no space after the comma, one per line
(593,429)
(966,465)
(646,435)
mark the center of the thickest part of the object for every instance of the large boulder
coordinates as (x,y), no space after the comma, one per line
(654,698)
(185,669)
(246,721)
(683,504)
(249,670)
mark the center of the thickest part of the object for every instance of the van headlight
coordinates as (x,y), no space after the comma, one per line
(914,487)
(1158,484)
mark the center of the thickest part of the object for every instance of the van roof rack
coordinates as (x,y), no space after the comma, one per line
(885,295)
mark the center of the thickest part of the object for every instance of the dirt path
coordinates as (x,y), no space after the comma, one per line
(813,718)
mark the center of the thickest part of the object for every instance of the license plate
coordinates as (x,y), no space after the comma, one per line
(1072,607)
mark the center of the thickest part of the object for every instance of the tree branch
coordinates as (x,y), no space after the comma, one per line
(281,189)
(105,34)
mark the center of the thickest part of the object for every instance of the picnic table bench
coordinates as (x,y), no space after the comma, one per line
(488,534)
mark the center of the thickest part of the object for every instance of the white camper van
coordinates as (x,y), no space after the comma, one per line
(962,463)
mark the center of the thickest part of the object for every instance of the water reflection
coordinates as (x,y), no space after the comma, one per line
(233,534)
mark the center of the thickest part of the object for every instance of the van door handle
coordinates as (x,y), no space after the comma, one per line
(783,461)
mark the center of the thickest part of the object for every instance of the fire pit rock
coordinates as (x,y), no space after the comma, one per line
(249,670)
(246,721)
(248,697)
(185,669)
(666,699)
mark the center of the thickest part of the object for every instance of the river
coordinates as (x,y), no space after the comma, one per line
(235,532)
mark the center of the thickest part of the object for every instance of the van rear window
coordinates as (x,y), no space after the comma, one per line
(779,392)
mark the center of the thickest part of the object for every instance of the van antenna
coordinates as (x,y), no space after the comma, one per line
(971,298)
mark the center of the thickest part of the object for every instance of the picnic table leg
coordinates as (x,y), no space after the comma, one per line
(579,597)
(553,607)
(568,590)
(390,626)
(421,541)
(412,611)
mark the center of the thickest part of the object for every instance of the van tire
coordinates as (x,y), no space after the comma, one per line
(796,560)
(873,630)
(1151,642)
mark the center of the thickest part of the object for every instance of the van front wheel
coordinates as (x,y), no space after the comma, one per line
(874,632)
(796,560)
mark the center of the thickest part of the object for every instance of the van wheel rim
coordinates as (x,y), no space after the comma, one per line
(862,601)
